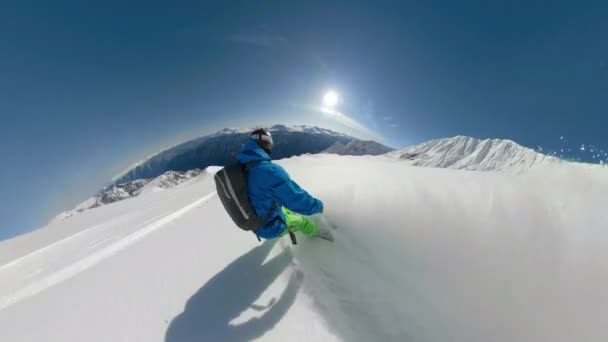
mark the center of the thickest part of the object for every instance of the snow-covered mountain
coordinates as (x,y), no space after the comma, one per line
(217,149)
(462,152)
(306,129)
(358,148)
(421,254)
(170,179)
(131,189)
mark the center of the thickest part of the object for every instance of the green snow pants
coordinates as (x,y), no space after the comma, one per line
(298,223)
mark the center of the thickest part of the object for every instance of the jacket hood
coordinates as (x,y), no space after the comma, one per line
(251,152)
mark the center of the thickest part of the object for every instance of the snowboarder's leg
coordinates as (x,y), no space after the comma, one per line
(299,223)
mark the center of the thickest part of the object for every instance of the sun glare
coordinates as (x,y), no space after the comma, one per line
(331,98)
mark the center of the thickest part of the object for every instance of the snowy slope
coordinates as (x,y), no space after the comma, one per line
(358,148)
(468,153)
(421,254)
(130,270)
(131,189)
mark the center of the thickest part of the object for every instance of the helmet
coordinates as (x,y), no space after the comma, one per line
(263,138)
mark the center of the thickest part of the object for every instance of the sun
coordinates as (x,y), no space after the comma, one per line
(331,98)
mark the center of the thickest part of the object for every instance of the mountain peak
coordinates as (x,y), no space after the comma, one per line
(468,153)
(131,189)
(280,127)
(228,131)
(307,129)
(358,148)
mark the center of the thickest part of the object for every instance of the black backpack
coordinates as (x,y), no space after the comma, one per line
(231,185)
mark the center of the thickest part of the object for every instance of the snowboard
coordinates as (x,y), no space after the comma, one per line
(325,234)
(325,227)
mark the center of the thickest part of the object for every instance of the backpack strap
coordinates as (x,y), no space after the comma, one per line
(292,235)
(261,220)
(250,164)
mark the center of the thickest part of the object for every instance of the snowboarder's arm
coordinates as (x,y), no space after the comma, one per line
(292,196)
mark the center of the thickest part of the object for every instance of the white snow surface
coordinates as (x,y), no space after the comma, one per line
(131,189)
(467,153)
(421,254)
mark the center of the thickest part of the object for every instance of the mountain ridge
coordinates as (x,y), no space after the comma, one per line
(468,153)
(358,148)
(217,148)
(130,189)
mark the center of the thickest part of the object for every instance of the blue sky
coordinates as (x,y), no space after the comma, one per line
(88,88)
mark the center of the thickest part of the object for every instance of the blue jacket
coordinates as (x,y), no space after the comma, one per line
(270,187)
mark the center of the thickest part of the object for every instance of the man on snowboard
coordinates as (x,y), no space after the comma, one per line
(270,188)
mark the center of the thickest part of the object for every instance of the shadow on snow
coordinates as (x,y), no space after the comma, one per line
(224,297)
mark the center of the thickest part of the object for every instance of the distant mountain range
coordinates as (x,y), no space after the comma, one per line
(358,148)
(466,153)
(131,189)
(217,149)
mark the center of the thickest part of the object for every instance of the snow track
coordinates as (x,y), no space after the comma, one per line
(34,278)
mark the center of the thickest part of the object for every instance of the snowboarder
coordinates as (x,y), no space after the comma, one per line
(270,188)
